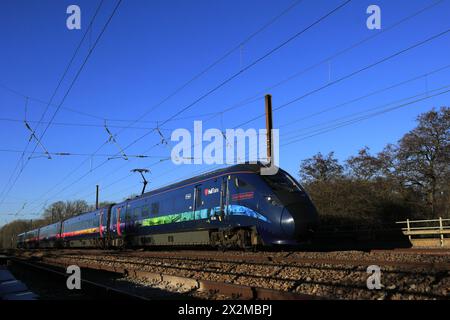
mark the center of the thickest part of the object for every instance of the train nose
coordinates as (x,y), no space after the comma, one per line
(287,223)
(299,220)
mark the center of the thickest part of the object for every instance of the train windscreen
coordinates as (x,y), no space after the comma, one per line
(282,182)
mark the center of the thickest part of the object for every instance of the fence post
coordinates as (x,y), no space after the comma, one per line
(407,228)
(441,228)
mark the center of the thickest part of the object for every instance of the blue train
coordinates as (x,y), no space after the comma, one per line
(231,207)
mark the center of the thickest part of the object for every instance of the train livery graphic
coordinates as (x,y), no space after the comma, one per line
(231,207)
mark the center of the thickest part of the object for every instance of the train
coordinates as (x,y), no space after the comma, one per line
(230,207)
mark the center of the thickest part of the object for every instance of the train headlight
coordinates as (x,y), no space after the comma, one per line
(272,200)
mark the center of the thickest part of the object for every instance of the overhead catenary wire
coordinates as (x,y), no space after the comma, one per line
(217,61)
(246,68)
(265,26)
(68,90)
(267,54)
(358,71)
(330,83)
(359,98)
(348,102)
(403,82)
(78,154)
(68,66)
(247,100)
(90,115)
(295,133)
(352,74)
(345,123)
(82,124)
(61,79)
(252,64)
(260,94)
(365,117)
(332,125)
(86,59)
(441,91)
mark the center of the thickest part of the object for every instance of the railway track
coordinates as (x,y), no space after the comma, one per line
(101,290)
(195,288)
(268,275)
(289,258)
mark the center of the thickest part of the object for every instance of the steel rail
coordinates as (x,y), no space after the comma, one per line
(48,269)
(235,291)
(261,259)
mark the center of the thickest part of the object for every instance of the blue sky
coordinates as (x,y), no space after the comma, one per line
(151,48)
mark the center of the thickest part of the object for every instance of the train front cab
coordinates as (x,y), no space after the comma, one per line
(281,210)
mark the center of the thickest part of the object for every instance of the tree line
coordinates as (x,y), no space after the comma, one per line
(409,179)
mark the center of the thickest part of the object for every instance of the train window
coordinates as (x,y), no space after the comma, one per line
(198,197)
(145,211)
(282,181)
(242,184)
(155,207)
(137,213)
(123,212)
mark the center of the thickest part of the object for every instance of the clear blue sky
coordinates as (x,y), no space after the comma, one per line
(153,47)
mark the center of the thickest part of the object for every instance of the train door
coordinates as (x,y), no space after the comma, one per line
(101,224)
(224,199)
(128,219)
(212,199)
(198,202)
(117,220)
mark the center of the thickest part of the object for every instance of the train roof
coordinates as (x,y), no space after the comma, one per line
(84,215)
(228,170)
(50,225)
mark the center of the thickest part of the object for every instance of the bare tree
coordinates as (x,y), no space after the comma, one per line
(424,156)
(365,166)
(320,168)
(62,210)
